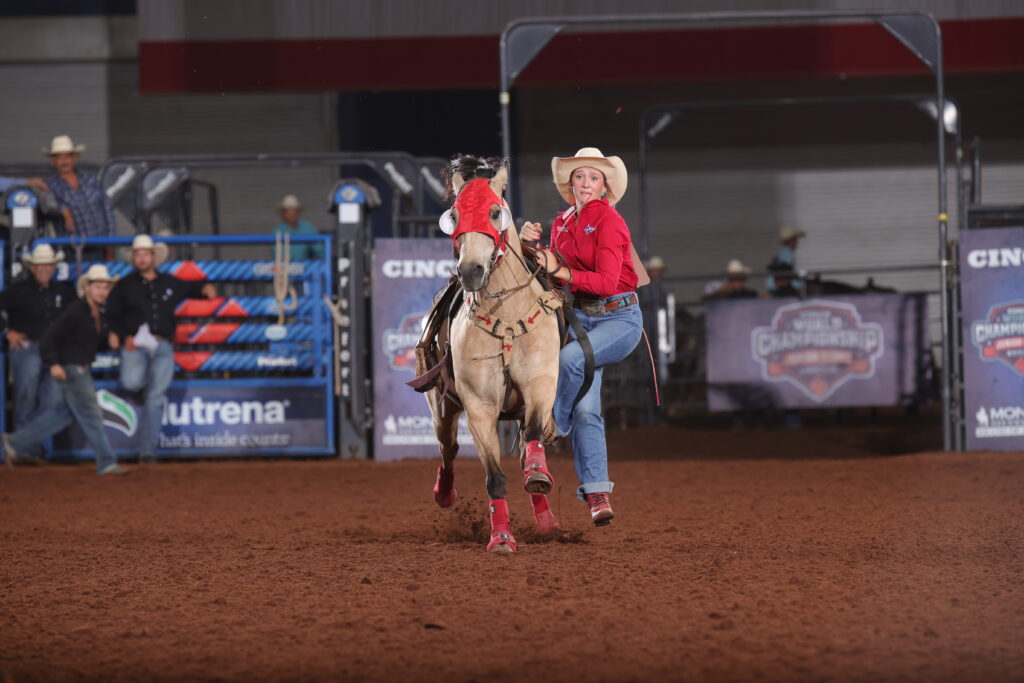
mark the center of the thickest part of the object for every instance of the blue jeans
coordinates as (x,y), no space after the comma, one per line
(78,403)
(152,373)
(613,337)
(34,389)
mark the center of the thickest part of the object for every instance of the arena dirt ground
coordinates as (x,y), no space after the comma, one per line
(801,556)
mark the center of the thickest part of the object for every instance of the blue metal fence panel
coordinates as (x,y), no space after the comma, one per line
(283,402)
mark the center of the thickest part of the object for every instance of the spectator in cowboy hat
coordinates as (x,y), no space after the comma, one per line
(68,349)
(290,209)
(788,241)
(735,284)
(32,303)
(655,267)
(142,305)
(85,210)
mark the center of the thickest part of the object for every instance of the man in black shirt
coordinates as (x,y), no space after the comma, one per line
(68,349)
(32,304)
(142,304)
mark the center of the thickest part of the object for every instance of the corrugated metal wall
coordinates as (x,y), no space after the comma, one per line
(98,105)
(247,19)
(40,101)
(235,124)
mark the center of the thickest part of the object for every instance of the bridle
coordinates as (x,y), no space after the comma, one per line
(474,203)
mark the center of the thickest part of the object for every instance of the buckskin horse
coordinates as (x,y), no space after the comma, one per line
(501,334)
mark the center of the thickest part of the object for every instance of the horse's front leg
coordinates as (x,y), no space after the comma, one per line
(538,427)
(446,429)
(483,423)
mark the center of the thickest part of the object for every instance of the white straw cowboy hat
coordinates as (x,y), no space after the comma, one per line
(42,255)
(788,233)
(62,144)
(615,176)
(736,268)
(97,273)
(290,201)
(159,249)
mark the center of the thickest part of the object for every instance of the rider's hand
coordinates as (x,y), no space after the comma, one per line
(16,339)
(530,232)
(546,260)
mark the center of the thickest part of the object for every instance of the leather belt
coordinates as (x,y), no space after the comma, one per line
(598,307)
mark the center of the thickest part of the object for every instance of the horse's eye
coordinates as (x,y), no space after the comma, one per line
(495,213)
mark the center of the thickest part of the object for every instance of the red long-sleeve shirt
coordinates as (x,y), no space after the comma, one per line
(597,248)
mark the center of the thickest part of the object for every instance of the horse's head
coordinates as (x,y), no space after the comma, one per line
(477,222)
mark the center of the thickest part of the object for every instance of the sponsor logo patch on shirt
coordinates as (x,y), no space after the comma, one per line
(589,229)
(563,228)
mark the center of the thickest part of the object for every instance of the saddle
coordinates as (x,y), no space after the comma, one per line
(433,352)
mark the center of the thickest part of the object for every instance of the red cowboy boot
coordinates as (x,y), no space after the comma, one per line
(546,520)
(445,493)
(502,540)
(536,477)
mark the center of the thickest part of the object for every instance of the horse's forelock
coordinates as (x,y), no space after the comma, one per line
(470,167)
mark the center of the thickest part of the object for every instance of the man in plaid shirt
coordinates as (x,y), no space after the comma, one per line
(85,210)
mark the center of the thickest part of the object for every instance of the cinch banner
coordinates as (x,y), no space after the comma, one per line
(862,350)
(406,275)
(226,420)
(992,299)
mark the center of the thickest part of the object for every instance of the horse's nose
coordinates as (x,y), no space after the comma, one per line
(472,276)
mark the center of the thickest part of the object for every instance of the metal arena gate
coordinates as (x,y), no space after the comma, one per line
(253,366)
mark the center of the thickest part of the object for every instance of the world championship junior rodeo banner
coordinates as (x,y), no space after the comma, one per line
(992,301)
(862,350)
(406,275)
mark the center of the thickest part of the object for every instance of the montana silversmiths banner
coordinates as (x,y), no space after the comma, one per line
(218,420)
(406,275)
(992,299)
(863,350)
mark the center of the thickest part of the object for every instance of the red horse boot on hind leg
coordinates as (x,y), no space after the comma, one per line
(501,535)
(536,477)
(546,520)
(445,493)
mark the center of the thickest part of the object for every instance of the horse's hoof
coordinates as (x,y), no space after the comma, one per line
(536,481)
(546,522)
(502,543)
(446,501)
(445,493)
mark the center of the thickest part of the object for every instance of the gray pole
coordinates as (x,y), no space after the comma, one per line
(948,369)
(641,164)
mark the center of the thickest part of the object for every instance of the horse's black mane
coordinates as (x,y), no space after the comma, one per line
(470,167)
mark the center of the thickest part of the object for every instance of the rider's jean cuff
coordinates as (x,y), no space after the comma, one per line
(594,487)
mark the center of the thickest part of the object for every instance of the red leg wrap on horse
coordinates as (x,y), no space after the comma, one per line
(445,493)
(545,518)
(501,534)
(536,477)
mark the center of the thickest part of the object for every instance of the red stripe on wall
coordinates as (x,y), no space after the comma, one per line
(438,62)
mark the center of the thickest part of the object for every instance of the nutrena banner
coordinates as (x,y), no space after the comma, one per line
(992,311)
(861,350)
(406,275)
(211,420)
